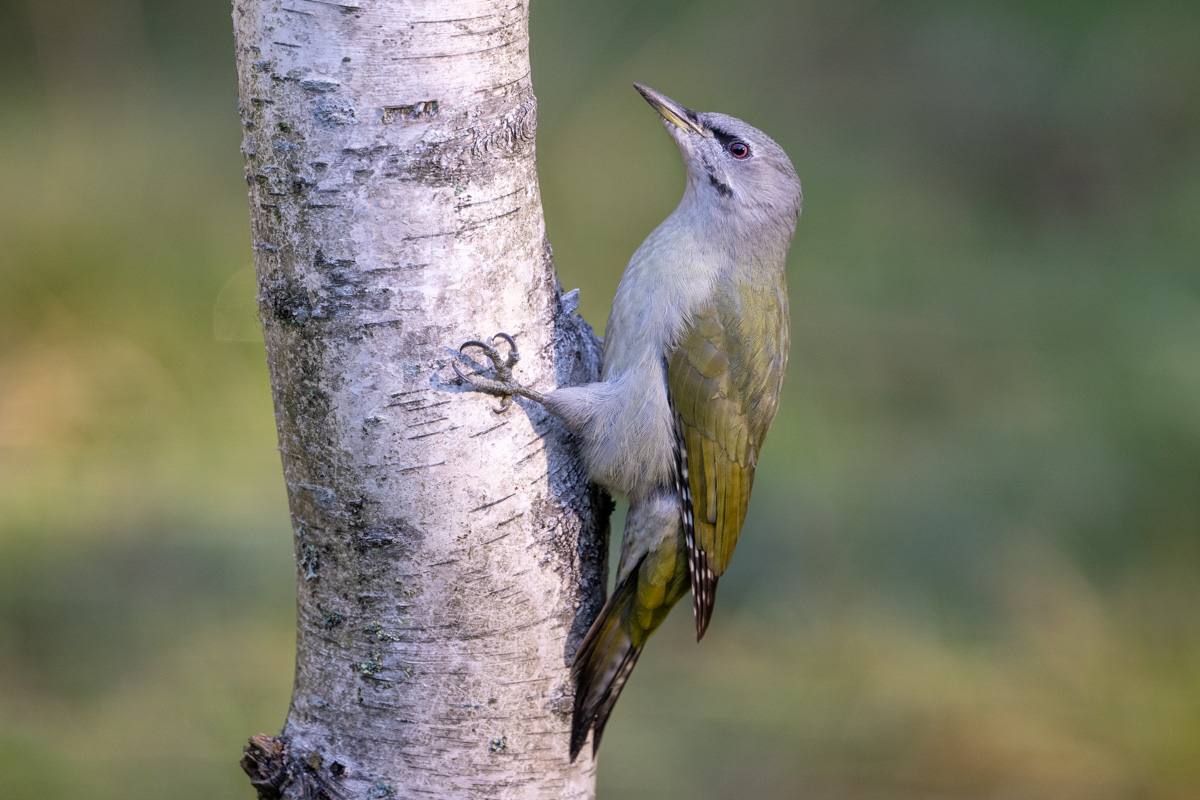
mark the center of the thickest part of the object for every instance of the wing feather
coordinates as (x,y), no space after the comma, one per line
(723,381)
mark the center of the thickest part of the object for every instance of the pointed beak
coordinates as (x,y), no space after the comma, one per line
(681,117)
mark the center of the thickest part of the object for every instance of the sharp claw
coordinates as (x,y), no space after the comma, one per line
(489,351)
(513,355)
(501,365)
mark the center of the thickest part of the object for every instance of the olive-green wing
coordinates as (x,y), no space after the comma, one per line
(723,380)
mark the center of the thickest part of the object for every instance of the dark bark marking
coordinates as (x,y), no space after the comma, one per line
(423,110)
(430,422)
(509,43)
(432,433)
(493,503)
(503,85)
(458,19)
(497,29)
(485,430)
(541,449)
(493,199)
(503,535)
(344,7)
(431,405)
(405,470)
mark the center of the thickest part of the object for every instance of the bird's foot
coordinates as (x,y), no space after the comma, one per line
(503,385)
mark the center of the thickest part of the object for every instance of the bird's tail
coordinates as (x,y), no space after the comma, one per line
(648,589)
(602,665)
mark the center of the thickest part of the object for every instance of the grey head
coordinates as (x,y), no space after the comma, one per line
(733,168)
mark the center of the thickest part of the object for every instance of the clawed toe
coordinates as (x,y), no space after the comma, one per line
(502,365)
(503,385)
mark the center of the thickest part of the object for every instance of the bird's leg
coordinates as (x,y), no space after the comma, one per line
(503,385)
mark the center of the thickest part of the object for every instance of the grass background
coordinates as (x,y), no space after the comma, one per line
(972,564)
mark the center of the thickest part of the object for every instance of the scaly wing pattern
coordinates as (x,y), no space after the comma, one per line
(723,380)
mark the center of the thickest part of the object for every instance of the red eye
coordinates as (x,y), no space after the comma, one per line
(739,150)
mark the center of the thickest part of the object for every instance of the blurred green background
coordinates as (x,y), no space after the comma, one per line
(972,564)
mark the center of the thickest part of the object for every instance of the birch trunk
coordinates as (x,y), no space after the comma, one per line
(448,558)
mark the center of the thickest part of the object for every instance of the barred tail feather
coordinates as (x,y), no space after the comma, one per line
(602,665)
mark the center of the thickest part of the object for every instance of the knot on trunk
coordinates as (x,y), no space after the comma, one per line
(276,774)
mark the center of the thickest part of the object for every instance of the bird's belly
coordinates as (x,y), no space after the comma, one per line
(628,446)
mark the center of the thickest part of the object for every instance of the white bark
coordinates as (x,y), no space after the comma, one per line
(448,558)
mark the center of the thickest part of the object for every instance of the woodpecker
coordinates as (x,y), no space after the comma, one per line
(694,355)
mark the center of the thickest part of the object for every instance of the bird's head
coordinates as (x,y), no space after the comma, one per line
(731,166)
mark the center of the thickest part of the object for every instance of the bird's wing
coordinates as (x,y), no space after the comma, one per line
(723,381)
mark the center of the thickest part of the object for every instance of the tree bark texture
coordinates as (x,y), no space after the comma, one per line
(449,558)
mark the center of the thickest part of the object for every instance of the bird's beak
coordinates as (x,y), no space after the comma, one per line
(679,116)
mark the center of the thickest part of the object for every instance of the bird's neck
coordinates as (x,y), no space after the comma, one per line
(733,226)
(732,230)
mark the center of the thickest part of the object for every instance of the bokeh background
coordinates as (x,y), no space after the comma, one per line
(972,564)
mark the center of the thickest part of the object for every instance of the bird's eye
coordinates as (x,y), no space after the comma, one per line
(739,150)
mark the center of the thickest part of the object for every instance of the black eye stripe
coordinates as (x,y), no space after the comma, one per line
(726,139)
